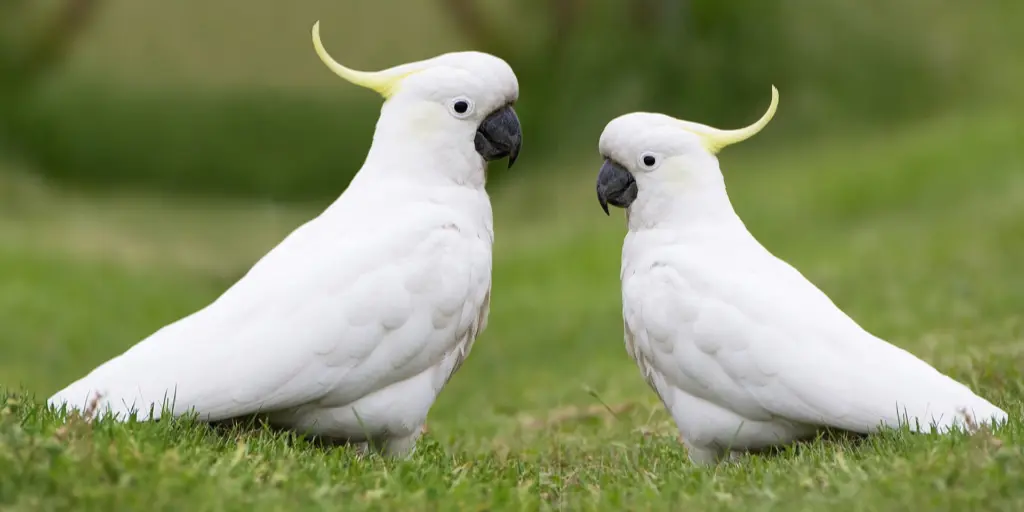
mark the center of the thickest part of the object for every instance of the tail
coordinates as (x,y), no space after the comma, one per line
(89,405)
(971,418)
(96,402)
(926,400)
(103,392)
(961,410)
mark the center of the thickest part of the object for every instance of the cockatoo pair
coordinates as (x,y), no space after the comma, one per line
(350,327)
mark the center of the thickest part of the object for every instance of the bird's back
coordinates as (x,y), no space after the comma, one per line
(912,389)
(770,343)
(316,315)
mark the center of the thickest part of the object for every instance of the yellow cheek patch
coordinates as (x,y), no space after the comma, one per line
(423,118)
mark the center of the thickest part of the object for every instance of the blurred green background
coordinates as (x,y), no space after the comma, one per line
(153,150)
(228,99)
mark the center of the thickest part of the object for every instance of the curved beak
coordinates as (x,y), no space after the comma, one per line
(615,186)
(499,136)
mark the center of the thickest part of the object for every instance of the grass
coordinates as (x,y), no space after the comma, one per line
(918,233)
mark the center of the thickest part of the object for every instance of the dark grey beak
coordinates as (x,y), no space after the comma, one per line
(499,136)
(615,186)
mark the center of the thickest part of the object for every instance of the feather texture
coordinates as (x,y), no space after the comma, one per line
(353,324)
(742,349)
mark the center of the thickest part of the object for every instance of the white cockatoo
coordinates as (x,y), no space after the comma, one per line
(744,352)
(351,326)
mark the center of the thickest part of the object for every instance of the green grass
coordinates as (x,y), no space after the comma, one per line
(918,233)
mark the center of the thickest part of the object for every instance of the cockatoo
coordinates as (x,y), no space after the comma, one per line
(350,328)
(743,351)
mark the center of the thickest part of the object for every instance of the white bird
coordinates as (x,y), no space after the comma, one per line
(744,352)
(353,324)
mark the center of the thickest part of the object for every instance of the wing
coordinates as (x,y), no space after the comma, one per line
(765,343)
(338,310)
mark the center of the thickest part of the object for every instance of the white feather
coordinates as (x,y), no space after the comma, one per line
(745,352)
(351,326)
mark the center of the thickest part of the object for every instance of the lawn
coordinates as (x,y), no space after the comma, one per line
(917,232)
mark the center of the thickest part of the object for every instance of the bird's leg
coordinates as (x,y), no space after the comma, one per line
(705,455)
(398,447)
(736,455)
(361,448)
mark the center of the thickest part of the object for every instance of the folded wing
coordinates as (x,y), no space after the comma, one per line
(765,343)
(324,316)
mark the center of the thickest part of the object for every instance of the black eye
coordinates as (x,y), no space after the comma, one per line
(649,160)
(461,106)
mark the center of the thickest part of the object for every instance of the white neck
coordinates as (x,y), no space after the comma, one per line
(409,161)
(692,200)
(418,149)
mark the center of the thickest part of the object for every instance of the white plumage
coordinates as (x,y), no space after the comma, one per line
(353,324)
(745,352)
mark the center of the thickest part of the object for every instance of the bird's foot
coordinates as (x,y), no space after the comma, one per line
(392,447)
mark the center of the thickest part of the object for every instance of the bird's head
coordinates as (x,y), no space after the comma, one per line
(655,159)
(461,102)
